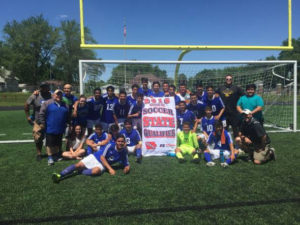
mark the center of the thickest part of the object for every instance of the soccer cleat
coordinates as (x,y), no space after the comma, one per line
(38,158)
(56,177)
(138,160)
(224,164)
(196,158)
(241,152)
(211,163)
(50,161)
(273,155)
(181,160)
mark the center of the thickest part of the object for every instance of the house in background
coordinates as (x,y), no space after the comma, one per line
(8,82)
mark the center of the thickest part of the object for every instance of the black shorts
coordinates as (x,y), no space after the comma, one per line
(53,140)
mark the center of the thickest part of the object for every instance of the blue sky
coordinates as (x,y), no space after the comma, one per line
(197,22)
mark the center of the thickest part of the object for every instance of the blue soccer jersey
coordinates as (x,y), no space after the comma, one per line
(132,138)
(145,92)
(213,138)
(107,114)
(95,108)
(121,110)
(131,99)
(158,94)
(198,109)
(202,97)
(208,125)
(177,99)
(136,108)
(186,116)
(216,105)
(96,138)
(112,155)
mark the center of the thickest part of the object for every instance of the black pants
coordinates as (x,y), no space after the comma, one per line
(233,119)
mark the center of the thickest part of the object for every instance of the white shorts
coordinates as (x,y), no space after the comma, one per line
(130,149)
(224,123)
(215,154)
(91,162)
(91,123)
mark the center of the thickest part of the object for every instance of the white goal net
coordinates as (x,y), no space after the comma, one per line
(275,81)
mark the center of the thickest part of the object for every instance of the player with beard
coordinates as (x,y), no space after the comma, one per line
(230,95)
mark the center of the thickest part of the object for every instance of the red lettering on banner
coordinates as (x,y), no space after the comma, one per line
(158,121)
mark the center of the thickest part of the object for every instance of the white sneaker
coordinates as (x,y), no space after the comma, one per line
(224,164)
(211,163)
(241,152)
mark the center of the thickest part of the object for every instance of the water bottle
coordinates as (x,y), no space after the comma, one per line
(222,159)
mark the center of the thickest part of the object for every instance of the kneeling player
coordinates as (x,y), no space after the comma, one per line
(187,143)
(97,163)
(223,147)
(97,140)
(133,140)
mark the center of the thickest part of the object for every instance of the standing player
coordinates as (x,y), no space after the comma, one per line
(36,100)
(165,88)
(184,115)
(183,93)
(110,100)
(95,105)
(144,89)
(97,140)
(99,162)
(121,109)
(132,97)
(223,145)
(201,94)
(172,92)
(135,113)
(230,95)
(156,90)
(217,105)
(133,140)
(253,102)
(187,143)
(80,113)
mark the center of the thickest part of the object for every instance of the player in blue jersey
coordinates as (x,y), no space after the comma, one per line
(201,94)
(114,130)
(110,100)
(95,104)
(132,97)
(196,106)
(156,90)
(98,162)
(172,92)
(121,109)
(208,122)
(184,115)
(216,104)
(133,140)
(223,147)
(144,89)
(135,113)
(165,88)
(97,140)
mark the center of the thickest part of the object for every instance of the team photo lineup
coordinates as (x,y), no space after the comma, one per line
(102,129)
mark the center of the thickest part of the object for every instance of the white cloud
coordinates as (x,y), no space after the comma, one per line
(63,16)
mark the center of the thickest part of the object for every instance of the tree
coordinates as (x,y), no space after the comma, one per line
(131,70)
(69,52)
(30,44)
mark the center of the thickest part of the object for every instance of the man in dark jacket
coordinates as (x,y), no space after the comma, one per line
(53,118)
(230,94)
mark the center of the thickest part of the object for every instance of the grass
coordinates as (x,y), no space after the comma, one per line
(159,191)
(13,98)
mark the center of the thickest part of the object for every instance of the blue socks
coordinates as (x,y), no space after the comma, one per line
(68,170)
(138,153)
(207,157)
(229,161)
(87,172)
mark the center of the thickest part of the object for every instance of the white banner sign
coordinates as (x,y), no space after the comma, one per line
(159,126)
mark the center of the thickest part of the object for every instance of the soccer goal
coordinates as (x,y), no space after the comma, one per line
(276,81)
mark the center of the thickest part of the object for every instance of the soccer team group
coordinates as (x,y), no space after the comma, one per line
(103,129)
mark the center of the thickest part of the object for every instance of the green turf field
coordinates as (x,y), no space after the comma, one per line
(159,191)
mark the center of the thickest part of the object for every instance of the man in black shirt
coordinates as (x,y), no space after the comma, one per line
(230,94)
(254,139)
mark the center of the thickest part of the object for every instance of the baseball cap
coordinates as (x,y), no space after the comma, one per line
(58,91)
(44,84)
(246,111)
